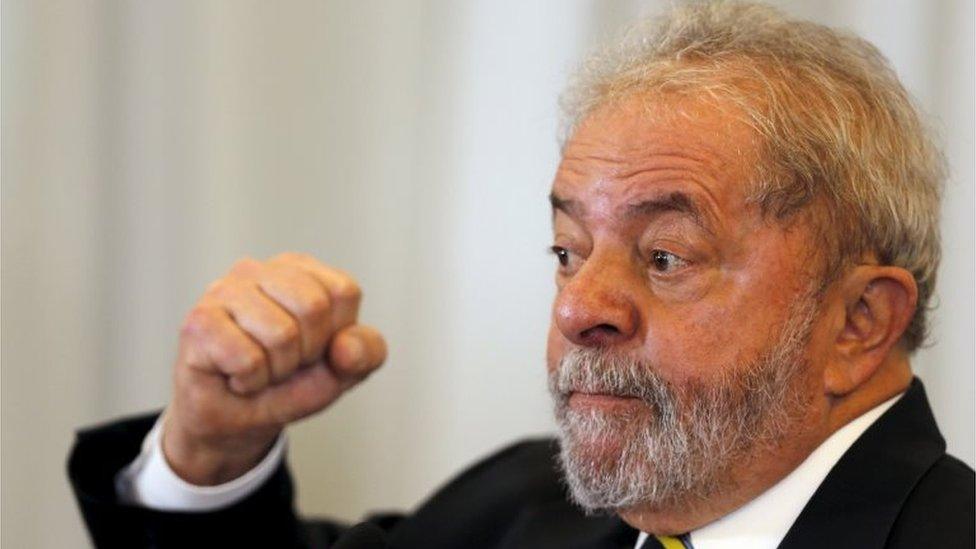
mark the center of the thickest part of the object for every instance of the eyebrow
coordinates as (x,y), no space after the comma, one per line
(569,207)
(671,202)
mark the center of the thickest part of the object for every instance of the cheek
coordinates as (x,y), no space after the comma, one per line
(696,344)
(730,325)
(702,341)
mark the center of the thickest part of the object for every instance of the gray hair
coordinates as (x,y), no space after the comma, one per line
(837,129)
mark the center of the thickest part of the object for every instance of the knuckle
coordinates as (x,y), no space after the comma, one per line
(283,336)
(192,357)
(196,323)
(224,356)
(222,289)
(249,361)
(347,289)
(237,385)
(242,384)
(314,308)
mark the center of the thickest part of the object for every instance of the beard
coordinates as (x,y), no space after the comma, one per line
(679,447)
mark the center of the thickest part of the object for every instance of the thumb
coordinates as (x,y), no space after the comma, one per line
(305,392)
(355,352)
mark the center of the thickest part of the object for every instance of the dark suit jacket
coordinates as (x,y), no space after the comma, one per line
(895,487)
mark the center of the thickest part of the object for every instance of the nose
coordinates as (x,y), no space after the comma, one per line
(596,307)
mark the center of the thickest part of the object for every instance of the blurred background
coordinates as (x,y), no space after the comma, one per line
(146,145)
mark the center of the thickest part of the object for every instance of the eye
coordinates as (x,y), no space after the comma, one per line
(665,262)
(562,255)
(569,260)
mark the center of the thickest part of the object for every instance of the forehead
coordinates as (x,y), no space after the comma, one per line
(654,144)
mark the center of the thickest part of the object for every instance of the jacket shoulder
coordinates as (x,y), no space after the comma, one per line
(940,511)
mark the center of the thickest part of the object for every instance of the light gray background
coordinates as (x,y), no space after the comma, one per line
(146,145)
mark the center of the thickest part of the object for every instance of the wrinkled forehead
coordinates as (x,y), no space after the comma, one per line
(631,146)
(639,123)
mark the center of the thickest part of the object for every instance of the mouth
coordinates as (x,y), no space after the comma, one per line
(604,401)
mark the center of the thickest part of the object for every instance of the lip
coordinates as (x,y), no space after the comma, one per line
(601,400)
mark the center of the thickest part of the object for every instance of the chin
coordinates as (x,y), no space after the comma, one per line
(604,458)
(604,451)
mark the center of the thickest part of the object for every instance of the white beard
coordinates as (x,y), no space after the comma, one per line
(680,447)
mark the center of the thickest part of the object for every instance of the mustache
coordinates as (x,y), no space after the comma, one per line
(599,371)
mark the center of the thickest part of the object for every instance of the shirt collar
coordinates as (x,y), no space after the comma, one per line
(763,522)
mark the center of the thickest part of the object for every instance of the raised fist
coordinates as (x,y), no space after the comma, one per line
(270,343)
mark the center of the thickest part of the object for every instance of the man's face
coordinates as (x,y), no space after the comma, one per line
(681,346)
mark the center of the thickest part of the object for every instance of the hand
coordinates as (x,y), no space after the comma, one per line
(270,343)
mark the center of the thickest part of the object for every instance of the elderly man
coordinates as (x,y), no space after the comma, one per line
(745,221)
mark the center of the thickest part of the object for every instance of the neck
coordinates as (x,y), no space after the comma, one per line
(760,472)
(891,378)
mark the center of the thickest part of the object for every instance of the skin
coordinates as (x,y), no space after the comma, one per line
(275,341)
(268,344)
(692,283)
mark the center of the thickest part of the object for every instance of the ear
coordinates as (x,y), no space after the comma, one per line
(879,302)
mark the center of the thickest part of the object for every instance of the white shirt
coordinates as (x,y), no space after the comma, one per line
(763,522)
(150,482)
(760,524)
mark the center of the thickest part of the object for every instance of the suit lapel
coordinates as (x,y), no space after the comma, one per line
(860,499)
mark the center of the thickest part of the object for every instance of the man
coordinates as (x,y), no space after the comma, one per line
(745,223)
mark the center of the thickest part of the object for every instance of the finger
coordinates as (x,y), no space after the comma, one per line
(265,321)
(344,293)
(356,352)
(309,390)
(306,300)
(214,343)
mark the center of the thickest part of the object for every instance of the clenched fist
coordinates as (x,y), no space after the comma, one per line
(268,344)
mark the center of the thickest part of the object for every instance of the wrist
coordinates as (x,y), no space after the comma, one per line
(209,463)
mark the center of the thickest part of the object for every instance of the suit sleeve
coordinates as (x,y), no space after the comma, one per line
(150,482)
(264,518)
